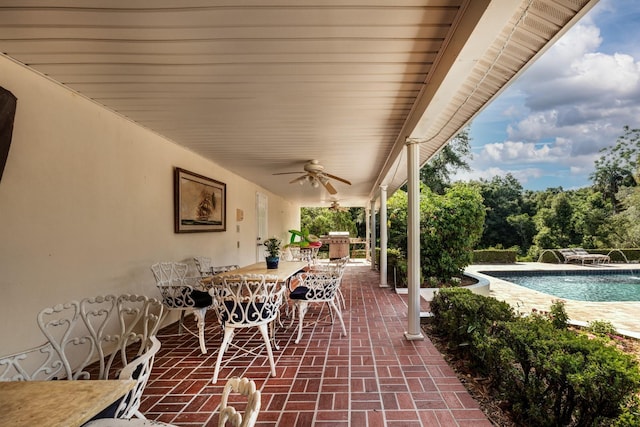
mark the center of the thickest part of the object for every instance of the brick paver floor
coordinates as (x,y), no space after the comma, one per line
(372,377)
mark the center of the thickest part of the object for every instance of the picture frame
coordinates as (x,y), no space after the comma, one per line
(200,203)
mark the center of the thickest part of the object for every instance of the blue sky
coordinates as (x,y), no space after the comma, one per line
(548,127)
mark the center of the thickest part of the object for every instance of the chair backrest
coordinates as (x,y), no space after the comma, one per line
(173,284)
(40,363)
(295,253)
(81,333)
(229,414)
(133,318)
(138,369)
(580,251)
(169,271)
(336,265)
(245,300)
(205,268)
(321,285)
(203,264)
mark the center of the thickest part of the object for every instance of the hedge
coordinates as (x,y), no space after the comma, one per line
(545,374)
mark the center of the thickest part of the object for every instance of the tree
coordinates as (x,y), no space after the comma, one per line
(625,230)
(450,227)
(397,206)
(436,173)
(503,197)
(562,215)
(524,227)
(320,221)
(618,166)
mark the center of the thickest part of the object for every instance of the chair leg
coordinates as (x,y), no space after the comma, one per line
(228,334)
(293,312)
(199,314)
(337,310)
(340,298)
(267,342)
(181,323)
(302,309)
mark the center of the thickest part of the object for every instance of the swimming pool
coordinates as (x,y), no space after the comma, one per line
(598,287)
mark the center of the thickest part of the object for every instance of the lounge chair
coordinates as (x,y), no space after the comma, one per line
(570,255)
(579,254)
(595,258)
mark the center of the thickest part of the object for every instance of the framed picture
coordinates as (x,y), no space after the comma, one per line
(200,203)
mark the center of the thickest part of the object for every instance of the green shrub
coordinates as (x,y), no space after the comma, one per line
(558,315)
(630,416)
(450,226)
(554,377)
(396,268)
(495,256)
(463,316)
(601,327)
(547,374)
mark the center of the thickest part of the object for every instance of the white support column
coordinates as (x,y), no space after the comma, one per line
(367,233)
(373,235)
(413,234)
(383,236)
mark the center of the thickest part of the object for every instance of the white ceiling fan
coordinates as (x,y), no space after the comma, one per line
(315,175)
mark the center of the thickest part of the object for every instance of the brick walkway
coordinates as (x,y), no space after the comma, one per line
(373,377)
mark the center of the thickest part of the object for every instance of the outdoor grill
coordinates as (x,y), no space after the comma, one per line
(338,244)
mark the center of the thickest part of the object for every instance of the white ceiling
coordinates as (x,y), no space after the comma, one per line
(261,87)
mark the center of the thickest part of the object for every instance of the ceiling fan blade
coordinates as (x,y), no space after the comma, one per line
(336,178)
(329,187)
(298,179)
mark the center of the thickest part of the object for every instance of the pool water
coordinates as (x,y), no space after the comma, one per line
(581,287)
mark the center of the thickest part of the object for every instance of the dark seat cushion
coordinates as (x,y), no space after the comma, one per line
(299,293)
(246,311)
(201,299)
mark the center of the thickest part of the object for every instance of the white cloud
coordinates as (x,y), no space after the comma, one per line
(512,152)
(579,94)
(522,175)
(574,101)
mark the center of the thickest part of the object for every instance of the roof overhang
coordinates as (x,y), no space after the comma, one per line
(261,88)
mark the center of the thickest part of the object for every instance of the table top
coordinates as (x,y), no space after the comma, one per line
(61,403)
(285,269)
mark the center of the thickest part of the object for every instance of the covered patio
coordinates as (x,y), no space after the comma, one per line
(372,377)
(115,97)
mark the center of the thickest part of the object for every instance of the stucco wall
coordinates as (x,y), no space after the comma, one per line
(86,206)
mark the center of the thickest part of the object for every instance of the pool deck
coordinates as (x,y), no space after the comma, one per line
(625,316)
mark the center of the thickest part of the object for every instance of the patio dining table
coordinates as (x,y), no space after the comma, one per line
(57,403)
(285,270)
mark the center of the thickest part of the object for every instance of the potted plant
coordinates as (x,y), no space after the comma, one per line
(273,252)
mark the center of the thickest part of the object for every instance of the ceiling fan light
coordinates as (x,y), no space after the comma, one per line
(301,182)
(315,184)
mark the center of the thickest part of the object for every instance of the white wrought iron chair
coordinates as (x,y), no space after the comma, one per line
(180,292)
(206,268)
(316,286)
(337,265)
(246,301)
(40,363)
(245,387)
(100,328)
(139,370)
(228,414)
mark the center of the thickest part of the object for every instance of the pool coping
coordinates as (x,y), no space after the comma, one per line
(623,315)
